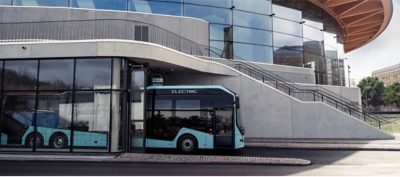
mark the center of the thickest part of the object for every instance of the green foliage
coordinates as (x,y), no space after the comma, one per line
(371,91)
(391,95)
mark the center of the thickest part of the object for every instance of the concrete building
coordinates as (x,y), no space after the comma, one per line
(81,67)
(388,75)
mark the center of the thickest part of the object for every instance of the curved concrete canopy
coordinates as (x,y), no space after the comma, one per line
(361,21)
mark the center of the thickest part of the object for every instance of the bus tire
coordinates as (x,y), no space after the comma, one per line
(187,144)
(30,140)
(58,141)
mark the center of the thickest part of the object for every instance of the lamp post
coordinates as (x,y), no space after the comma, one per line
(348,70)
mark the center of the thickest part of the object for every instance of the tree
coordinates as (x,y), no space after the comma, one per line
(371,91)
(391,95)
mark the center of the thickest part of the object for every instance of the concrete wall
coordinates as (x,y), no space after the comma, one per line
(267,112)
(193,29)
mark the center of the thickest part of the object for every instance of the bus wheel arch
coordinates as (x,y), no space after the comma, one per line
(30,140)
(58,140)
(187,143)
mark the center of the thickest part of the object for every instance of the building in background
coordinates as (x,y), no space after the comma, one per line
(74,72)
(388,75)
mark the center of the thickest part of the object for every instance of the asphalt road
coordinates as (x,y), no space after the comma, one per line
(325,162)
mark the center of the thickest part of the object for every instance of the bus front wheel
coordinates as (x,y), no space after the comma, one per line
(187,144)
(58,141)
(30,140)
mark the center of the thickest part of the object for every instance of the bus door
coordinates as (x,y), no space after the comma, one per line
(136,108)
(223,127)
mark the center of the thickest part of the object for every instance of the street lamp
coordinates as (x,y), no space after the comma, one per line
(348,69)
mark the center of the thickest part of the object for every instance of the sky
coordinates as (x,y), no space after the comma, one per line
(383,51)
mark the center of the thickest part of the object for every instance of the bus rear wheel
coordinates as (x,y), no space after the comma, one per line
(187,144)
(58,141)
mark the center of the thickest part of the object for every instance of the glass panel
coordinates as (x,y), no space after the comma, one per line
(91,120)
(217,32)
(216,3)
(287,13)
(247,35)
(210,14)
(93,74)
(330,40)
(288,27)
(156,7)
(253,52)
(330,52)
(59,3)
(314,47)
(251,20)
(288,41)
(54,120)
(56,74)
(20,75)
(312,33)
(223,127)
(286,56)
(258,6)
(100,4)
(5,2)
(218,49)
(17,121)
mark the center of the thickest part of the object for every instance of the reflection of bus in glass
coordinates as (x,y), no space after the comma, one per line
(193,117)
(49,134)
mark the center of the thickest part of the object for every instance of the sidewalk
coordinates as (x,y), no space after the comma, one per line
(156,158)
(333,144)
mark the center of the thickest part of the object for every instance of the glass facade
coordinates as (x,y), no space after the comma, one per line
(295,33)
(70,104)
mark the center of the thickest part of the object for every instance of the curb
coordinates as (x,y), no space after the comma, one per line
(325,146)
(161,158)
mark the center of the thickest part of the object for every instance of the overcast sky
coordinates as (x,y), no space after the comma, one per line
(383,51)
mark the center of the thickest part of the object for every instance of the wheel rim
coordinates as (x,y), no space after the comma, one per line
(187,145)
(58,142)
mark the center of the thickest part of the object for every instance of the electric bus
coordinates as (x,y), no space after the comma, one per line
(193,117)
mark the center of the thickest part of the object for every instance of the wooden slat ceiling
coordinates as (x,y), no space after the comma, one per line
(361,20)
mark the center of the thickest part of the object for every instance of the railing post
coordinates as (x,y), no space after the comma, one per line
(314,95)
(365,118)
(322,98)
(379,124)
(276,84)
(289,91)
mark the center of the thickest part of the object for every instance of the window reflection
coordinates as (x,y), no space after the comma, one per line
(17,117)
(258,6)
(251,20)
(288,41)
(253,52)
(288,27)
(20,75)
(91,119)
(210,14)
(93,74)
(287,13)
(215,3)
(288,56)
(253,36)
(156,7)
(56,74)
(100,4)
(5,2)
(58,3)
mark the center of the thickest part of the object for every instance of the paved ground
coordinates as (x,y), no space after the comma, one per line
(222,158)
(325,162)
